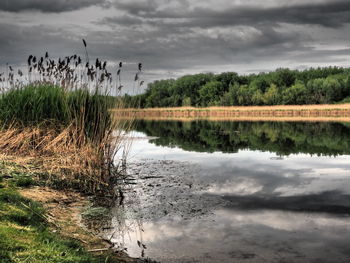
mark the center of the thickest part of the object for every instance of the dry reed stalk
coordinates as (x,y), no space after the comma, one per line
(54,152)
(246,119)
(249,108)
(64,155)
(305,112)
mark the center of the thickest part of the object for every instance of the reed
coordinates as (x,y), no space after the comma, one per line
(60,113)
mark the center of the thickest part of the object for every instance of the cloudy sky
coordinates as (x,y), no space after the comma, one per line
(176,37)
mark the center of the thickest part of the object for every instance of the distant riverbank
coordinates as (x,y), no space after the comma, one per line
(336,112)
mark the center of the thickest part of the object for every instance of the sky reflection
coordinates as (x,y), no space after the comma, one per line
(266,209)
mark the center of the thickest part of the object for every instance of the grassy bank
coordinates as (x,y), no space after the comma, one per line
(278,112)
(28,233)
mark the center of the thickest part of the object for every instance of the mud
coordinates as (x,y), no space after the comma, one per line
(168,188)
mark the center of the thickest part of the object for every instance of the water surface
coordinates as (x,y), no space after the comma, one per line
(237,192)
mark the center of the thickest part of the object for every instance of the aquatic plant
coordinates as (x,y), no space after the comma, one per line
(60,110)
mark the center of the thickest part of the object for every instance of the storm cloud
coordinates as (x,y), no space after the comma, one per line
(329,14)
(55,6)
(179,37)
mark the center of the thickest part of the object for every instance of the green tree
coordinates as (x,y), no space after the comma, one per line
(189,86)
(311,86)
(271,96)
(258,98)
(210,93)
(284,77)
(233,93)
(244,95)
(332,89)
(296,94)
(186,101)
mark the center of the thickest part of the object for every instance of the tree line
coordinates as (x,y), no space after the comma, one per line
(280,87)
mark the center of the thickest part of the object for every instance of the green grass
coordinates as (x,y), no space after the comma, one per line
(50,105)
(14,176)
(25,235)
(34,104)
(25,181)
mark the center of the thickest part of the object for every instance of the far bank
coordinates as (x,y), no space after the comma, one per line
(321,112)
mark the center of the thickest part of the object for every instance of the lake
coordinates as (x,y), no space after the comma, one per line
(205,191)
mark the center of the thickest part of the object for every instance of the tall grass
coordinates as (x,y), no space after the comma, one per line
(62,111)
(45,104)
(35,105)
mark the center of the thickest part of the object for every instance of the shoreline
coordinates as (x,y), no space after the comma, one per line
(59,214)
(313,113)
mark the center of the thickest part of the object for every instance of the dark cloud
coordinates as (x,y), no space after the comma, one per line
(332,14)
(176,47)
(137,7)
(124,20)
(49,6)
(17,43)
(329,14)
(181,36)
